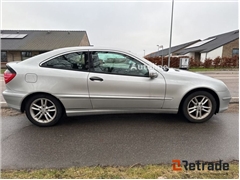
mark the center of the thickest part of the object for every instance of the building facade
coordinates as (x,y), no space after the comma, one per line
(223,45)
(18,45)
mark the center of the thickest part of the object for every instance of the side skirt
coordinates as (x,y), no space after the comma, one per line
(79,112)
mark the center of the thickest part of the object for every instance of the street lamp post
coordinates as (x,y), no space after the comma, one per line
(162,55)
(162,52)
(169,50)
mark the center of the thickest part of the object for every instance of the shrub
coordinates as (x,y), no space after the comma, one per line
(224,62)
(235,61)
(194,64)
(216,62)
(207,63)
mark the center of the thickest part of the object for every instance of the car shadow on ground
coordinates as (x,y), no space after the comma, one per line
(174,123)
(125,118)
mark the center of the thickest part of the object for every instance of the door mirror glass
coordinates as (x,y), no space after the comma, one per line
(153,74)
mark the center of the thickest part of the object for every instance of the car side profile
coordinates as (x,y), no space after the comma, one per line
(88,80)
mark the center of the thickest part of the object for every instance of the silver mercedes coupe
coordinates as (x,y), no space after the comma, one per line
(78,81)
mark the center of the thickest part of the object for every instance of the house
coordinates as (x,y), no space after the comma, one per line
(223,45)
(164,52)
(18,45)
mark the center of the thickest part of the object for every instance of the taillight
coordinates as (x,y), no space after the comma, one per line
(9,75)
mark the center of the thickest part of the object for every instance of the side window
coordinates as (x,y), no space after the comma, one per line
(71,61)
(26,54)
(114,63)
(235,52)
(3,56)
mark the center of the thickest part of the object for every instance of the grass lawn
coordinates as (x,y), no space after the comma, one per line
(2,71)
(134,172)
(213,69)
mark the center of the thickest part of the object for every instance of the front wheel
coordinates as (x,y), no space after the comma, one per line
(43,110)
(199,106)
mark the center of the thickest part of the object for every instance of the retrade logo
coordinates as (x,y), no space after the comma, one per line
(198,165)
(176,165)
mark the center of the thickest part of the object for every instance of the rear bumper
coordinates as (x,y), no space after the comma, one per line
(13,99)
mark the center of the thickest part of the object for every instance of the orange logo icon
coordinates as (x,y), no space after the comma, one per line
(176,165)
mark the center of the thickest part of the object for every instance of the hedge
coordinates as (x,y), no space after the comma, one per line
(218,62)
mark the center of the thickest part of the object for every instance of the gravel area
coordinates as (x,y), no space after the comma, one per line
(11,112)
(233,108)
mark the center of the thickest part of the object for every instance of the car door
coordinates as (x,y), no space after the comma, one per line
(117,80)
(68,80)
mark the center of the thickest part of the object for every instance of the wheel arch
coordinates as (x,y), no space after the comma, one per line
(23,104)
(202,89)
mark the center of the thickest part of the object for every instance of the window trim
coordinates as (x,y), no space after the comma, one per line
(26,56)
(65,53)
(235,54)
(6,57)
(91,68)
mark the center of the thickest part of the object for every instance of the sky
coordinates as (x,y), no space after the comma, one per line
(137,26)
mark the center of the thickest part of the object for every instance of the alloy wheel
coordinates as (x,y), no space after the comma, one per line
(199,107)
(43,110)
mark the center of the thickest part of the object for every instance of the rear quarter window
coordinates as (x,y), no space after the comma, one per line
(71,61)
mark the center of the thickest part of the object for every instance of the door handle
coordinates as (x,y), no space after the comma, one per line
(95,78)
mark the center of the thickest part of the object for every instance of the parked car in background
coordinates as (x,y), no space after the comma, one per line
(88,80)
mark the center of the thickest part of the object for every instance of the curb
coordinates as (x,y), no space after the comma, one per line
(234,100)
(4,105)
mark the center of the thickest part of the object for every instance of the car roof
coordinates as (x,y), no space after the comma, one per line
(39,58)
(89,48)
(36,60)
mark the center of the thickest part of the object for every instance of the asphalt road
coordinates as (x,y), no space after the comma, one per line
(117,140)
(231,80)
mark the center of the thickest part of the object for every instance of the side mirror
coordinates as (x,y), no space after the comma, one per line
(153,74)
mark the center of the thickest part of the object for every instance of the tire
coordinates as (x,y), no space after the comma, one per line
(43,110)
(199,106)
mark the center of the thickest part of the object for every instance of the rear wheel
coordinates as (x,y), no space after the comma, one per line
(199,106)
(43,110)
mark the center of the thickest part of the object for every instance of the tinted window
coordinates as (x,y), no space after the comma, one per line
(114,63)
(3,56)
(235,52)
(26,54)
(71,61)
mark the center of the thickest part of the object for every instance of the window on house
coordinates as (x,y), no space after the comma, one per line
(3,56)
(26,55)
(235,52)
